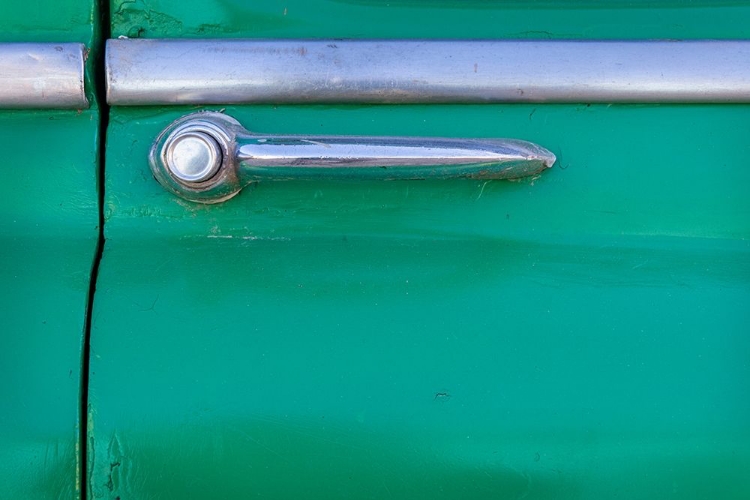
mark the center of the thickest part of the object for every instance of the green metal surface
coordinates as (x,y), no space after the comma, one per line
(568,337)
(48,236)
(47,21)
(579,335)
(612,19)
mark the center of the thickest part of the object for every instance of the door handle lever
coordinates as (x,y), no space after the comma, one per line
(209,157)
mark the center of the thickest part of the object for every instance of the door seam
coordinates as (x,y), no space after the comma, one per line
(85,440)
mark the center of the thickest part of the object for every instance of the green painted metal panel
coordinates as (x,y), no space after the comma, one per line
(613,19)
(582,333)
(46,21)
(578,335)
(48,237)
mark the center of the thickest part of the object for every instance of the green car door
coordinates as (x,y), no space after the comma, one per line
(582,333)
(49,229)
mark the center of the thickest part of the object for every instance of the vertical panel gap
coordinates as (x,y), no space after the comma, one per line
(101,35)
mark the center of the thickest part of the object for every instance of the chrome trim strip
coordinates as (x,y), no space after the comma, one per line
(209,157)
(42,75)
(151,72)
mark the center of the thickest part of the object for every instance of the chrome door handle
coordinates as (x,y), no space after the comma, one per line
(209,157)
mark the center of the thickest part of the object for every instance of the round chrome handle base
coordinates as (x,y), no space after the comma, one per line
(194,157)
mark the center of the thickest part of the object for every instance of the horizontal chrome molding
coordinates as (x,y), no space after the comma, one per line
(42,75)
(151,72)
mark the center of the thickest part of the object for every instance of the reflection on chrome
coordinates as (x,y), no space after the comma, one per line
(210,157)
